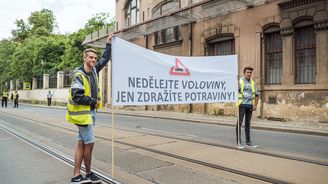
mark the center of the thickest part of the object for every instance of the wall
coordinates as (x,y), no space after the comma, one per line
(39,96)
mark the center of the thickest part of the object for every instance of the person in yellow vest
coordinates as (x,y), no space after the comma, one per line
(5,95)
(84,99)
(247,103)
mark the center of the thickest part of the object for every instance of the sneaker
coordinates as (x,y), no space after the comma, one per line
(240,146)
(93,177)
(251,145)
(79,180)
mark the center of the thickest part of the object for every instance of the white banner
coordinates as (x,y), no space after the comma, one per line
(145,77)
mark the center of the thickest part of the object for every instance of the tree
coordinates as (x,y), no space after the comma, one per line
(7,49)
(35,50)
(74,48)
(98,21)
(22,31)
(42,22)
(38,55)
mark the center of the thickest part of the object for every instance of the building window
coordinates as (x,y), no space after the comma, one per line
(132,12)
(171,34)
(273,57)
(221,46)
(305,51)
(168,35)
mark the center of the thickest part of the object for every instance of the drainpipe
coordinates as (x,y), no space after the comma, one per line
(262,76)
(190,54)
(146,45)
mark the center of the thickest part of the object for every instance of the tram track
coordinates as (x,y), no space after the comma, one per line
(56,154)
(210,165)
(305,160)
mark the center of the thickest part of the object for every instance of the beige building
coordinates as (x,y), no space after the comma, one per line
(286,41)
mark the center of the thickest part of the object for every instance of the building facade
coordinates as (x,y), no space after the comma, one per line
(285,41)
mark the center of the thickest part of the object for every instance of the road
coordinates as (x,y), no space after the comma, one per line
(152,150)
(309,145)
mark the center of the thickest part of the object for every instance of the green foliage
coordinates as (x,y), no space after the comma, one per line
(74,51)
(22,31)
(7,49)
(38,55)
(97,22)
(42,22)
(35,50)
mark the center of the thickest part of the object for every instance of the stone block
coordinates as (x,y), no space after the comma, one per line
(212,32)
(321,15)
(60,79)
(34,83)
(285,15)
(285,23)
(293,15)
(45,81)
(301,12)
(277,18)
(12,86)
(224,29)
(311,11)
(270,19)
(231,29)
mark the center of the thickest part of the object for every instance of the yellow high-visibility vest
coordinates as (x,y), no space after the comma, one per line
(5,94)
(240,93)
(80,114)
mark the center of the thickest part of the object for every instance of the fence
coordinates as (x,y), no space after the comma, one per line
(53,80)
(39,82)
(67,80)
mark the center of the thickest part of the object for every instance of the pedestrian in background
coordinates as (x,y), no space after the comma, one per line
(84,99)
(5,95)
(247,103)
(49,96)
(12,97)
(16,99)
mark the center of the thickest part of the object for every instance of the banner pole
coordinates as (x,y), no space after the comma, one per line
(113,123)
(238,124)
(238,127)
(113,141)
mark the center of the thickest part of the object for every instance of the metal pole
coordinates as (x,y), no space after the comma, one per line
(113,138)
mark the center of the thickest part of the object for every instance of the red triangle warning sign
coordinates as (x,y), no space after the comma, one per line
(179,69)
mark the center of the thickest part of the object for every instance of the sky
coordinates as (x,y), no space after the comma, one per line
(70,15)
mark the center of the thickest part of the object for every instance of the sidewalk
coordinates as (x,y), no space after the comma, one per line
(311,128)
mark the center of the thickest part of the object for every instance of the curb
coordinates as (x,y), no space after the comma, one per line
(257,127)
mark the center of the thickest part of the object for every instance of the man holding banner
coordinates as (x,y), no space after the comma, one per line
(247,103)
(84,99)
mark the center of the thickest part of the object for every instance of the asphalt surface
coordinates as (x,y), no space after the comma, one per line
(309,145)
(23,163)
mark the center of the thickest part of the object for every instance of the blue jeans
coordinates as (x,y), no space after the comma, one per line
(247,112)
(86,132)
